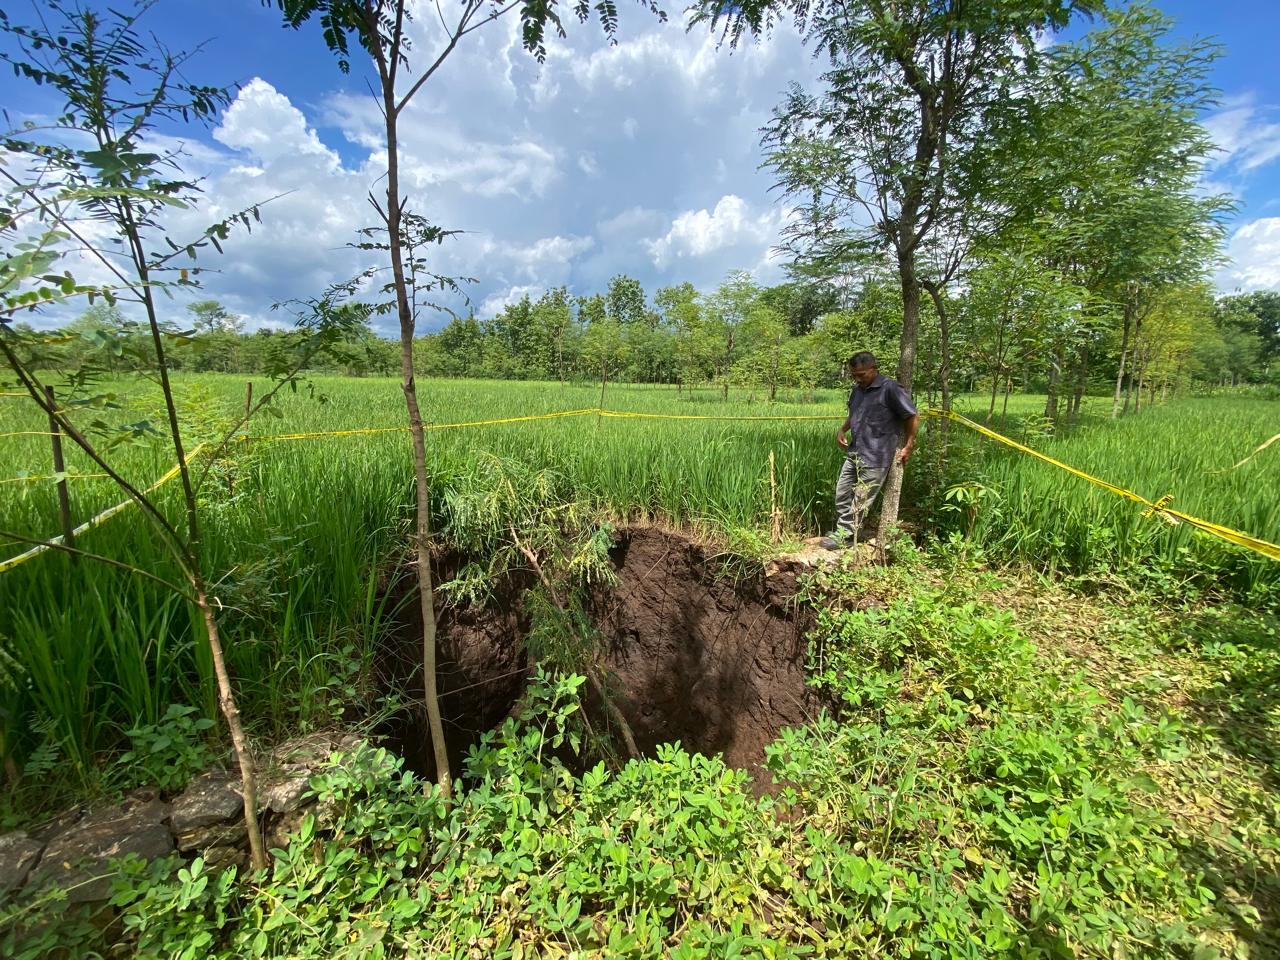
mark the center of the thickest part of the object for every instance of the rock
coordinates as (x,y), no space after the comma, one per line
(221,857)
(214,835)
(285,795)
(78,858)
(312,751)
(211,798)
(18,854)
(59,824)
(278,833)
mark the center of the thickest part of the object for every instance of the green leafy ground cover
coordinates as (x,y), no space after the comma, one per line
(1009,769)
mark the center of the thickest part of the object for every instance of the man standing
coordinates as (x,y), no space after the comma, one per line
(880,412)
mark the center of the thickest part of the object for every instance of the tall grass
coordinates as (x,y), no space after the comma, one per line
(296,532)
(1038,513)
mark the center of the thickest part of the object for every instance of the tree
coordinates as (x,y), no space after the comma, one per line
(461,343)
(801,303)
(210,316)
(872,162)
(604,348)
(724,315)
(681,311)
(1258,314)
(378,27)
(769,360)
(554,335)
(1012,308)
(626,300)
(1118,196)
(216,342)
(94,164)
(1163,351)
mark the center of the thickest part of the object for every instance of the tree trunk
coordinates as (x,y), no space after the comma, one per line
(1135,370)
(1051,402)
(194,555)
(1082,377)
(906,374)
(227,703)
(944,372)
(1124,349)
(422,525)
(998,368)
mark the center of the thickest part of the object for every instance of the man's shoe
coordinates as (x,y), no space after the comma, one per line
(833,543)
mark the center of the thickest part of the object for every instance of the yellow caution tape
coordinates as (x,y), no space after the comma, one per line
(405,429)
(103,517)
(1159,508)
(26,433)
(1262,446)
(584,412)
(625,414)
(1256,544)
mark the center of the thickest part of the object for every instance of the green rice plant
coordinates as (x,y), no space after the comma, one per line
(1185,449)
(303,527)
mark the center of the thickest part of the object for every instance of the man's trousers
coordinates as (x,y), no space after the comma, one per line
(856,489)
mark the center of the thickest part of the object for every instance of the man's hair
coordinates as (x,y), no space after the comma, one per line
(863,358)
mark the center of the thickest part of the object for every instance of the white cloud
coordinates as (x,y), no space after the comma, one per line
(1246,136)
(549,257)
(521,169)
(1255,257)
(262,122)
(496,301)
(639,158)
(696,233)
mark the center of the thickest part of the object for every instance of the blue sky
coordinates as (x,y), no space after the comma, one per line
(639,158)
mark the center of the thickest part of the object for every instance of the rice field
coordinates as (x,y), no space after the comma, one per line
(297,531)
(1186,450)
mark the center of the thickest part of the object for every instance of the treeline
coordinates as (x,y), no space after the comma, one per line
(794,335)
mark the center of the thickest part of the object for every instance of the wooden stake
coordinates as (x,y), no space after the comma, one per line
(248,397)
(775,514)
(59,466)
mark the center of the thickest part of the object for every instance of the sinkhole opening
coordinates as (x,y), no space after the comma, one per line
(688,654)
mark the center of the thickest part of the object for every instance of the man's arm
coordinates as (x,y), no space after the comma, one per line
(912,425)
(840,434)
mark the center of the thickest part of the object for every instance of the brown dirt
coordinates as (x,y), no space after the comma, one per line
(691,655)
(715,663)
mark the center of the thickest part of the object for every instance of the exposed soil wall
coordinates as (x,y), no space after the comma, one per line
(692,655)
(713,662)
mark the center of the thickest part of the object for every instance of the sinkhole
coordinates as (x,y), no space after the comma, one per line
(689,654)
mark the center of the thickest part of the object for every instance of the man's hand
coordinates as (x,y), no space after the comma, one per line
(841,439)
(903,454)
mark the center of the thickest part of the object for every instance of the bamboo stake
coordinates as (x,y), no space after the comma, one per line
(775,514)
(60,468)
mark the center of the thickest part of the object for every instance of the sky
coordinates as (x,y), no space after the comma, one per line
(640,157)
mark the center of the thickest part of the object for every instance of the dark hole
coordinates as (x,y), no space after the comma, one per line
(714,663)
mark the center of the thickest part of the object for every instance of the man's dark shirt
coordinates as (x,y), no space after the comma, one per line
(876,415)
